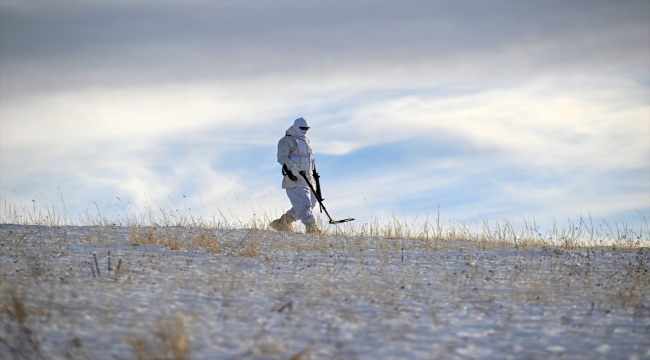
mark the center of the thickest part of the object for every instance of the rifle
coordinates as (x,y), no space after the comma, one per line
(318,193)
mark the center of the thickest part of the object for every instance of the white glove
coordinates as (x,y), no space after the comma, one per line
(295,171)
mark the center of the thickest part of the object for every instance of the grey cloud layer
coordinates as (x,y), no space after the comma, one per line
(72,44)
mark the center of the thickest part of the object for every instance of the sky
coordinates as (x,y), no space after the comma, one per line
(470,109)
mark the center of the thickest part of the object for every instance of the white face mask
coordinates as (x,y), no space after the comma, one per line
(300,122)
(300,132)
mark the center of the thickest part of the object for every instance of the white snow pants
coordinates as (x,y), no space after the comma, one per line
(303,201)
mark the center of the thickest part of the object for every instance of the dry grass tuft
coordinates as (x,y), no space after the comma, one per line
(21,342)
(170,341)
(14,305)
(170,238)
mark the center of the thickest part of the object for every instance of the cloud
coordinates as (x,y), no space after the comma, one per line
(490,108)
(550,122)
(63,45)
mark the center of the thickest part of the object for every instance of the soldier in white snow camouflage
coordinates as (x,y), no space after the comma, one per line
(295,156)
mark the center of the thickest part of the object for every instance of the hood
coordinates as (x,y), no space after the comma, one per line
(296,128)
(292,132)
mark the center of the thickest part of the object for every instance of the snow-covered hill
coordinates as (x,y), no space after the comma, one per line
(116,293)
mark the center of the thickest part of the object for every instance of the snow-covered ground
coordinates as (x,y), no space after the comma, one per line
(233,294)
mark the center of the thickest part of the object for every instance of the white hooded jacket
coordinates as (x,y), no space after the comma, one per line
(295,152)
